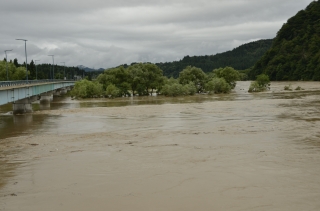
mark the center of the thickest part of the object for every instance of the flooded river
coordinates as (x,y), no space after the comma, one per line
(238,151)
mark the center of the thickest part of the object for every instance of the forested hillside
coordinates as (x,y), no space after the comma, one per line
(295,53)
(240,58)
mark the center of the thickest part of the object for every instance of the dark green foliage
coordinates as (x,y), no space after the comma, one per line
(15,62)
(112,91)
(193,75)
(139,78)
(261,84)
(229,74)
(217,85)
(87,89)
(295,53)
(240,58)
(14,73)
(173,88)
(144,78)
(45,71)
(119,77)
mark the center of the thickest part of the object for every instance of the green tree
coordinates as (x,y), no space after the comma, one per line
(173,88)
(153,77)
(136,79)
(87,89)
(112,91)
(15,62)
(32,70)
(194,75)
(117,76)
(294,54)
(14,73)
(217,85)
(262,83)
(229,74)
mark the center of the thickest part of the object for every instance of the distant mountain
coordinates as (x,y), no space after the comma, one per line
(87,69)
(240,58)
(295,52)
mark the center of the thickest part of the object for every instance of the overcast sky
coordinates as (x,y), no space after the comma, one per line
(107,33)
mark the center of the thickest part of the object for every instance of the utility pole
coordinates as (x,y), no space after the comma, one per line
(35,61)
(64,72)
(52,66)
(7,62)
(25,49)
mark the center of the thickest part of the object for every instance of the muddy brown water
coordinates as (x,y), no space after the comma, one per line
(223,152)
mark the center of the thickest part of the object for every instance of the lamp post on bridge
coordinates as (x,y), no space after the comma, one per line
(35,61)
(64,72)
(7,63)
(25,49)
(52,66)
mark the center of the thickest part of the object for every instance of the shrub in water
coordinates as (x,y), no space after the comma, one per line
(288,88)
(85,89)
(299,88)
(261,84)
(218,85)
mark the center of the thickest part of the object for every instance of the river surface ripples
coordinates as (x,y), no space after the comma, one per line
(239,151)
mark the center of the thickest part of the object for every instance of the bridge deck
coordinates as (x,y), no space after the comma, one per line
(11,92)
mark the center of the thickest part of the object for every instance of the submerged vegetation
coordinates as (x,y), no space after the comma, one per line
(262,83)
(86,89)
(145,79)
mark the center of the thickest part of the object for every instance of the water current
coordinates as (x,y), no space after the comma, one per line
(238,151)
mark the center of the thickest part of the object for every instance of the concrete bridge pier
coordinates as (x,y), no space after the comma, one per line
(46,98)
(24,105)
(57,93)
(63,91)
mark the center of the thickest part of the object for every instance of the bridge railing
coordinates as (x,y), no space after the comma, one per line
(24,82)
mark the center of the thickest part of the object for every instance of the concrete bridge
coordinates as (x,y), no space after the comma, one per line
(22,93)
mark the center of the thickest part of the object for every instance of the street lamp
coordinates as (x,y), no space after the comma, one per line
(35,61)
(52,66)
(64,72)
(25,49)
(7,63)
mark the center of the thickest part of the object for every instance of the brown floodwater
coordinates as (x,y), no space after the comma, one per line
(239,151)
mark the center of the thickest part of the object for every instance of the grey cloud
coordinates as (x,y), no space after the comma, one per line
(109,33)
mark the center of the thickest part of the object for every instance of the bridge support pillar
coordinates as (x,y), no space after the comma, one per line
(56,93)
(24,105)
(63,91)
(46,97)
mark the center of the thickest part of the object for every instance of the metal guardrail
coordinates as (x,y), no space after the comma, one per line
(24,82)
